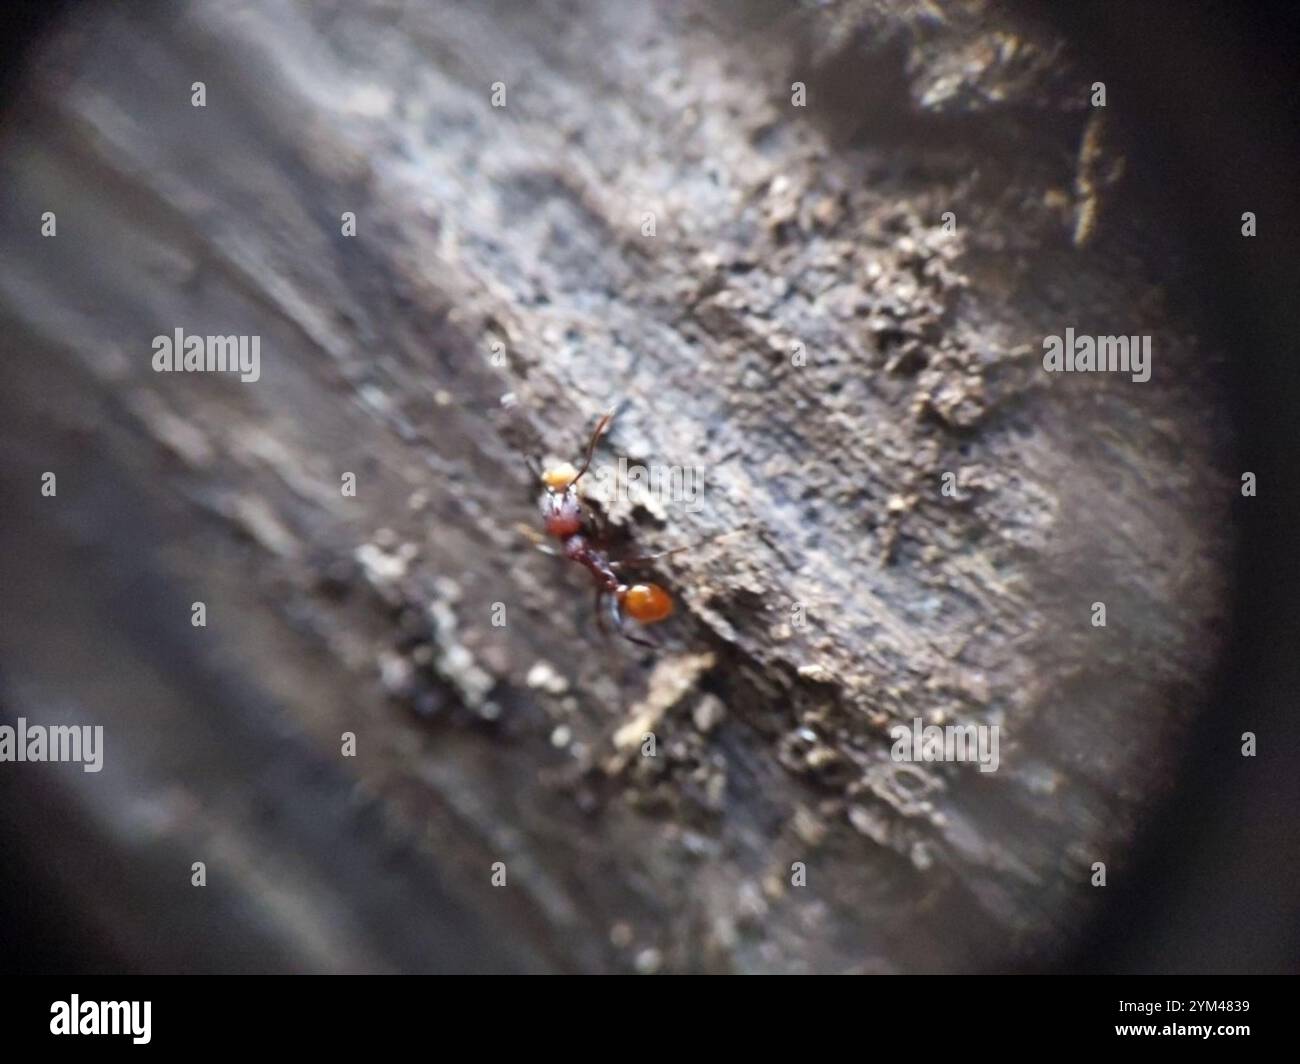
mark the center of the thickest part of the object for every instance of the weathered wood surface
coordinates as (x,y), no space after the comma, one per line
(775,226)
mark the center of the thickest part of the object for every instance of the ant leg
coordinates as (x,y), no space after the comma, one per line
(537,540)
(622,629)
(637,639)
(646,558)
(600,617)
(601,426)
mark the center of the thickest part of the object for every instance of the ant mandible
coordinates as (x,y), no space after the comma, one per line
(566,520)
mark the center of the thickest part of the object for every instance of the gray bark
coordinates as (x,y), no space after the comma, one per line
(778,230)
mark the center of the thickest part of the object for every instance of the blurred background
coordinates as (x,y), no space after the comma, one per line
(424,209)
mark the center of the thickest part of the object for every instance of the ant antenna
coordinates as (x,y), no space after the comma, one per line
(601,427)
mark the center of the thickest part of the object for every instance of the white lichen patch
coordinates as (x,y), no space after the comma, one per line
(670,681)
(544,677)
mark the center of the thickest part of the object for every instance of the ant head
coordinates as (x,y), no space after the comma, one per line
(559,478)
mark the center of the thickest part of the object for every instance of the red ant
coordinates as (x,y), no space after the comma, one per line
(566,520)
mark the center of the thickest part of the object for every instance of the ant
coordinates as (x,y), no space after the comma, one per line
(565,520)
